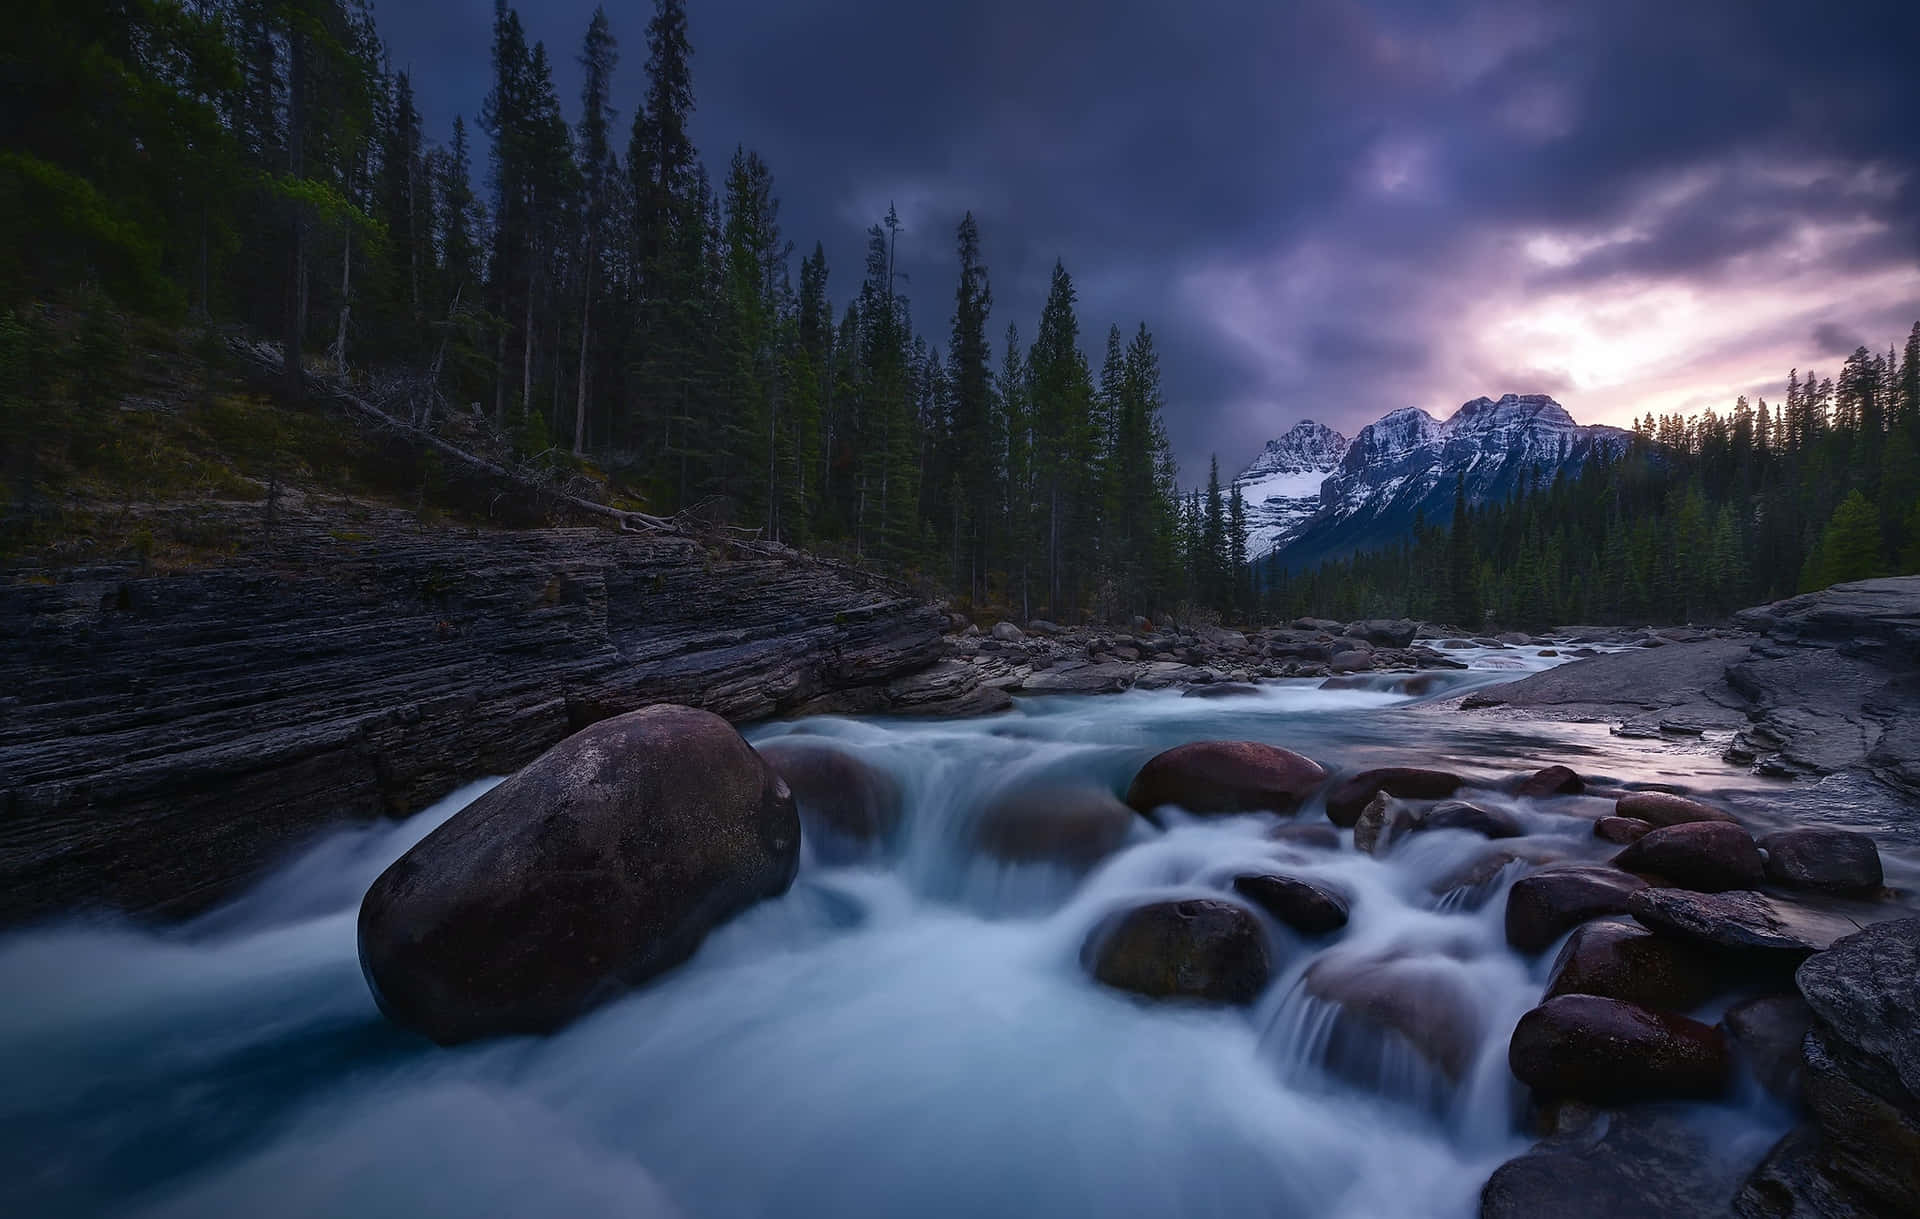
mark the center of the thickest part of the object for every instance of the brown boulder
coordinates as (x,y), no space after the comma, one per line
(1599,1049)
(1460,815)
(1709,856)
(1832,861)
(602,863)
(1225,777)
(1545,905)
(1621,830)
(1309,907)
(1617,960)
(1553,781)
(1212,951)
(1350,795)
(847,807)
(1070,824)
(1663,809)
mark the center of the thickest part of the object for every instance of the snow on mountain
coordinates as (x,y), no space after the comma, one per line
(1282,486)
(1402,467)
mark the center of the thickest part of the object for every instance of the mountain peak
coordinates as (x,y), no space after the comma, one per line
(1510,410)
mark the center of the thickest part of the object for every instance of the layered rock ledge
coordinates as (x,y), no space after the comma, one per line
(165,737)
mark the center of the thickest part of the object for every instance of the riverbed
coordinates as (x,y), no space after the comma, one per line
(913,1034)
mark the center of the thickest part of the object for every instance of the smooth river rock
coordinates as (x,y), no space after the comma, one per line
(601,864)
(1621,830)
(1212,951)
(1309,907)
(1074,825)
(1661,809)
(1545,905)
(848,807)
(1351,794)
(1711,856)
(1225,777)
(1617,960)
(1593,1048)
(1460,815)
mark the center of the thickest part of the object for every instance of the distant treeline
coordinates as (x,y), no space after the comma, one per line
(1699,516)
(262,162)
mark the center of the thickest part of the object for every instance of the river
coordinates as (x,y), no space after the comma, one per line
(913,1036)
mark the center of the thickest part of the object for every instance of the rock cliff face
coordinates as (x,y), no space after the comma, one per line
(164,737)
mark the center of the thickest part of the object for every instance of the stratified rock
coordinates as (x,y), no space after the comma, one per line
(1662,809)
(847,807)
(1633,1163)
(1834,861)
(1617,960)
(1739,921)
(1225,777)
(1196,949)
(1711,856)
(1108,677)
(1767,1034)
(173,735)
(1791,1182)
(1869,1124)
(1600,1049)
(1075,825)
(600,865)
(1460,815)
(1553,781)
(1547,904)
(1382,823)
(1621,829)
(1347,797)
(1309,907)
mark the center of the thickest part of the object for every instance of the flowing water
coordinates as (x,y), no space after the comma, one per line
(911,1036)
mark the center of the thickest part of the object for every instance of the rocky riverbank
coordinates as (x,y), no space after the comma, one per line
(1815,685)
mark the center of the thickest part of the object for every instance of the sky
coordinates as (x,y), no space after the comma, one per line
(1327,209)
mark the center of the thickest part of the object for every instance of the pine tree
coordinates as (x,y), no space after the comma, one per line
(976,463)
(1850,549)
(599,171)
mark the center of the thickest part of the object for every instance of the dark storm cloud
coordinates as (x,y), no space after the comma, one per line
(1329,208)
(1832,340)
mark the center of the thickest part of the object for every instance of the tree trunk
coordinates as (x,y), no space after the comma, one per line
(580,390)
(296,319)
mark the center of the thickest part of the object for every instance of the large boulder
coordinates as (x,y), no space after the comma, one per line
(848,807)
(1309,907)
(1711,856)
(1869,1123)
(1865,992)
(1663,809)
(1212,951)
(1552,781)
(1617,960)
(1545,905)
(1745,922)
(1225,777)
(1074,825)
(1621,830)
(1385,632)
(601,864)
(1833,861)
(1598,1049)
(1351,794)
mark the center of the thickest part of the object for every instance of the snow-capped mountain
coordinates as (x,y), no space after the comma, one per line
(1403,466)
(1282,486)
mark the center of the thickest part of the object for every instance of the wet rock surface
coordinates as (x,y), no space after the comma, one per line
(1710,856)
(1595,1048)
(1629,1163)
(600,865)
(1617,960)
(1351,794)
(1210,951)
(1833,861)
(1740,921)
(1225,777)
(848,808)
(1309,907)
(1424,1002)
(1545,905)
(1074,825)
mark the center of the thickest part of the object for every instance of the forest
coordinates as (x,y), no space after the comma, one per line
(1700,516)
(590,296)
(593,293)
